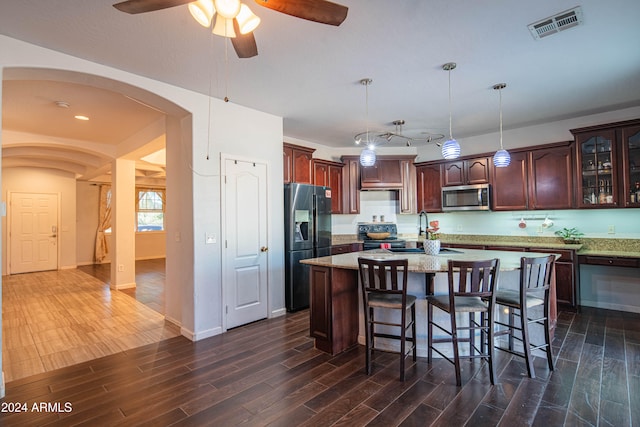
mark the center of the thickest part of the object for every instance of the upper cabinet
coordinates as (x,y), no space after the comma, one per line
(384,174)
(540,178)
(329,174)
(551,177)
(351,185)
(428,187)
(463,172)
(297,163)
(510,189)
(607,164)
(631,165)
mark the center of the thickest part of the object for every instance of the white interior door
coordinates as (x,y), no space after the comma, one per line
(33,232)
(245,242)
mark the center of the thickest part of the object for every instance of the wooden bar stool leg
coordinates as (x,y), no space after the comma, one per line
(547,337)
(429,332)
(525,341)
(413,333)
(511,323)
(456,355)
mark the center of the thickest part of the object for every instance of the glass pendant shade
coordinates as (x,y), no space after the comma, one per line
(367,157)
(202,11)
(223,27)
(501,159)
(247,20)
(451,149)
(227,8)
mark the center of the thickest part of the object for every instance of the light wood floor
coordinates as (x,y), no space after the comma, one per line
(60,318)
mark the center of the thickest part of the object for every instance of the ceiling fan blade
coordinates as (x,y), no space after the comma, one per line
(141,6)
(322,11)
(244,44)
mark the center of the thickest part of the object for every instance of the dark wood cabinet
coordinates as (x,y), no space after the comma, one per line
(346,248)
(297,164)
(407,195)
(428,188)
(510,184)
(540,178)
(551,177)
(329,174)
(384,174)
(630,136)
(608,164)
(334,308)
(597,168)
(351,185)
(466,172)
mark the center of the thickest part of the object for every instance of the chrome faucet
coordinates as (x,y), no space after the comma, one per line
(426,223)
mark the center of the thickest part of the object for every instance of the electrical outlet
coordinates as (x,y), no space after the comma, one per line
(121,267)
(612,229)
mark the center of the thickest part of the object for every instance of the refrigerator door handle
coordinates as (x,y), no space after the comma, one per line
(314,207)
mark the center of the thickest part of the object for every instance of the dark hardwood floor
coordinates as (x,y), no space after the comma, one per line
(268,373)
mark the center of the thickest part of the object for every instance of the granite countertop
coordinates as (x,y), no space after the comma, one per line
(421,263)
(588,246)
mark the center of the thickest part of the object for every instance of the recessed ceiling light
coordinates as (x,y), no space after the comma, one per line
(81,117)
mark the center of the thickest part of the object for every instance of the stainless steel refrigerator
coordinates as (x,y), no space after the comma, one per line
(307,214)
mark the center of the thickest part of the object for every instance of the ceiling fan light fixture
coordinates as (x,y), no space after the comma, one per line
(247,20)
(227,8)
(202,11)
(502,158)
(223,27)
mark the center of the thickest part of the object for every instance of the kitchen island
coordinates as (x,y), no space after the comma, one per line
(336,313)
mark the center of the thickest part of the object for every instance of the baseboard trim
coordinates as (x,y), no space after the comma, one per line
(197,336)
(125,286)
(279,312)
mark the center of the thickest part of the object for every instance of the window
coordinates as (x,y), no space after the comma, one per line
(150,210)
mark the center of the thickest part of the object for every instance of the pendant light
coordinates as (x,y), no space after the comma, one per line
(368,155)
(502,158)
(451,148)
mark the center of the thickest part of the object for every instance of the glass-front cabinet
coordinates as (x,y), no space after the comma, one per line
(597,174)
(608,160)
(631,161)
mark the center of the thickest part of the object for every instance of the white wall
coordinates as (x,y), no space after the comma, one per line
(194,288)
(35,180)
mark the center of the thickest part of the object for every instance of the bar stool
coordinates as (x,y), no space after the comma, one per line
(472,293)
(535,281)
(384,290)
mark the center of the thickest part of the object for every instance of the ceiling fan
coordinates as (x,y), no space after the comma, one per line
(322,11)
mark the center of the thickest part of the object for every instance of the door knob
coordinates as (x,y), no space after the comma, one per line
(264,249)
(54,235)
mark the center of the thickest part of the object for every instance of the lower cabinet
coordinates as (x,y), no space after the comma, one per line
(334,308)
(346,248)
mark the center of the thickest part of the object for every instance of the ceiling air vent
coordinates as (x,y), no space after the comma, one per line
(554,24)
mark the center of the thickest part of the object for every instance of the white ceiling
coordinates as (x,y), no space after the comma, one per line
(310,73)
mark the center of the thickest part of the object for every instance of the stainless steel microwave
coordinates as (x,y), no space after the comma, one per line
(466,198)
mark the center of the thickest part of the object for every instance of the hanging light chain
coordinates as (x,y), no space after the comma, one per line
(366,82)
